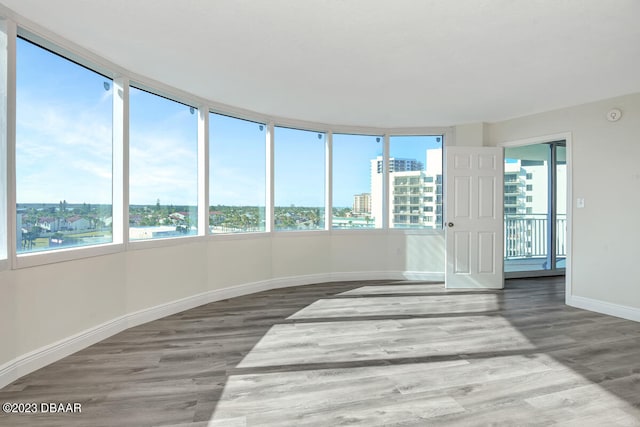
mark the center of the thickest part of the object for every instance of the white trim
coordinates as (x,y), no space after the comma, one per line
(386,205)
(350,276)
(36,359)
(356,231)
(269,213)
(249,235)
(568,137)
(423,275)
(121,81)
(5,225)
(10,144)
(328,180)
(120,159)
(536,140)
(164,242)
(203,170)
(604,307)
(426,276)
(300,233)
(33,259)
(48,354)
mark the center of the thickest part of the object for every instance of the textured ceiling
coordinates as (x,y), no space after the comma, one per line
(366,62)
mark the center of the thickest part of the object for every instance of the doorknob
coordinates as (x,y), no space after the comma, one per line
(450,224)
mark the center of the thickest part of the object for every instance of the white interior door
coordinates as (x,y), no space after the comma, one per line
(474,223)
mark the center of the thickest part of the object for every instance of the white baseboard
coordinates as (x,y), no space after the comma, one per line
(617,310)
(423,275)
(48,354)
(34,360)
(173,307)
(388,275)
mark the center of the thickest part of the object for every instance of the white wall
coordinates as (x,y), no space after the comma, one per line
(605,162)
(471,134)
(49,311)
(8,330)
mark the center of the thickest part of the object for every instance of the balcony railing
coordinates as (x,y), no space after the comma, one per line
(526,236)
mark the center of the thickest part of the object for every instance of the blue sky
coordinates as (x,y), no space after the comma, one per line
(237,161)
(64,139)
(63,148)
(299,159)
(163,151)
(352,155)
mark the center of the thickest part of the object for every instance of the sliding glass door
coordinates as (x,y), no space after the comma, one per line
(535,211)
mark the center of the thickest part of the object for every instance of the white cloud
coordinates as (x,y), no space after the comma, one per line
(61,155)
(162,167)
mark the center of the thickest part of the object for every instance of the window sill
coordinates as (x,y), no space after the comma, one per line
(35,259)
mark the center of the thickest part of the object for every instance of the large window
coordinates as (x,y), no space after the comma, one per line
(299,179)
(415,181)
(163,171)
(63,152)
(237,162)
(355,183)
(67,162)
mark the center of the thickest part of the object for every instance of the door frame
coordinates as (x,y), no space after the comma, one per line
(567,137)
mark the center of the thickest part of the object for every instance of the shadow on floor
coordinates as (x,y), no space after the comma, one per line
(360,353)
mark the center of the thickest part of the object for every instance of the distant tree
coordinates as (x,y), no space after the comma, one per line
(28,238)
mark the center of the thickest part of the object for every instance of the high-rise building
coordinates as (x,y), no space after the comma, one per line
(526,207)
(415,193)
(362,204)
(399,165)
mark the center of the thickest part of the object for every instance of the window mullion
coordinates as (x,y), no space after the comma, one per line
(120,175)
(203,171)
(328,174)
(386,204)
(269,172)
(8,232)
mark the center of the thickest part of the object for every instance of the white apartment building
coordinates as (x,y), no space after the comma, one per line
(362,204)
(527,207)
(526,188)
(415,192)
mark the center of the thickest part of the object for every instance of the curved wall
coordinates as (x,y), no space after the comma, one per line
(50,311)
(54,304)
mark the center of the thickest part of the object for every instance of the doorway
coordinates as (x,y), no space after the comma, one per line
(535,209)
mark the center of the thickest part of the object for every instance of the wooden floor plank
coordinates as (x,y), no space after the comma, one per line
(355,353)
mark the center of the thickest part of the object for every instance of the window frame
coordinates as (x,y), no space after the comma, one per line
(19,27)
(145,243)
(331,187)
(7,141)
(266,174)
(446,136)
(65,52)
(327,193)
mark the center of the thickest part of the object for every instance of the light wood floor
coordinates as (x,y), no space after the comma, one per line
(355,353)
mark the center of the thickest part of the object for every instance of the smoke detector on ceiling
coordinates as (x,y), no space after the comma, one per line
(614,115)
